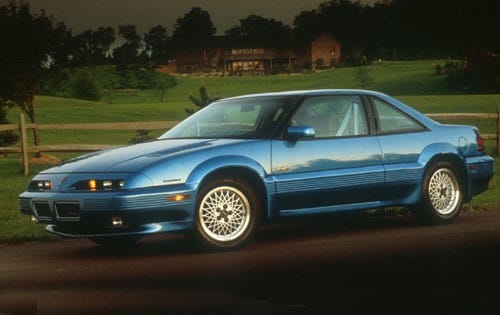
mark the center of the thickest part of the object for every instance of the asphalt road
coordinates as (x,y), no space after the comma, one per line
(375,265)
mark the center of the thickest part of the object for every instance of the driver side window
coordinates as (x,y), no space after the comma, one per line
(333,116)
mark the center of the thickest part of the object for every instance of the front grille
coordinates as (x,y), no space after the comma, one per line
(42,209)
(25,205)
(67,210)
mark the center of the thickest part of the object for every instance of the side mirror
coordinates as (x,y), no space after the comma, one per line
(300,132)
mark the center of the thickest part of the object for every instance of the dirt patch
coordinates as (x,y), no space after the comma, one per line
(44,159)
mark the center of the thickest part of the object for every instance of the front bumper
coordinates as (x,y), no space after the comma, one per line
(94,214)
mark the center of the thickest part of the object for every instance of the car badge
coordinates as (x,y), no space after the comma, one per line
(282,168)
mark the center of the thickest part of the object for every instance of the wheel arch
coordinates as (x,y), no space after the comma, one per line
(241,168)
(458,163)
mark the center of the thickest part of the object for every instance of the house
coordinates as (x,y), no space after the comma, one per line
(323,52)
(233,57)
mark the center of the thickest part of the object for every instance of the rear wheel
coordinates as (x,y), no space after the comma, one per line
(226,214)
(442,194)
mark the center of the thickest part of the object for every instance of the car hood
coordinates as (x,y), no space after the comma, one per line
(133,158)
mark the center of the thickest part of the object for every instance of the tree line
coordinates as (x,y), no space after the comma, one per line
(406,29)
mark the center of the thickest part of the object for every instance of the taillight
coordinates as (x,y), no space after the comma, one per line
(480,142)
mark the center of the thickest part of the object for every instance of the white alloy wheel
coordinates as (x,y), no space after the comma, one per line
(442,194)
(224,214)
(444,191)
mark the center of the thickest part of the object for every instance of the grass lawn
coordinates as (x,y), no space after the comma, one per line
(412,82)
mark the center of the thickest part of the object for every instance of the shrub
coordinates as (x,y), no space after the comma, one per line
(141,136)
(84,86)
(128,79)
(362,77)
(57,84)
(479,74)
(438,69)
(88,83)
(320,63)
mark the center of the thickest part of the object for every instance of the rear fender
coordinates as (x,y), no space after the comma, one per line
(437,149)
(447,152)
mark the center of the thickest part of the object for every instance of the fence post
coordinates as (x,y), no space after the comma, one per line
(24,144)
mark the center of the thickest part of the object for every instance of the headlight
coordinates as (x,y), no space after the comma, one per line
(40,185)
(100,184)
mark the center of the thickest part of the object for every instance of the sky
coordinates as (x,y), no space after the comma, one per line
(81,15)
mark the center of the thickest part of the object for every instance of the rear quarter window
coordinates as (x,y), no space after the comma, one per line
(391,120)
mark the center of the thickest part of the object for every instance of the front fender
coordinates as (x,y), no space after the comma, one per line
(223,162)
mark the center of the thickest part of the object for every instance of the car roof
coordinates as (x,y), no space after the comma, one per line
(416,114)
(310,93)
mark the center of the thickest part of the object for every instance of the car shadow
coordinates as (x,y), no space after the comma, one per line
(317,226)
(289,230)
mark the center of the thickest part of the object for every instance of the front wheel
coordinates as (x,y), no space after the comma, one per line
(442,194)
(226,214)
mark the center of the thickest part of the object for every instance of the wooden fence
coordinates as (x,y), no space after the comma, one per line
(24,148)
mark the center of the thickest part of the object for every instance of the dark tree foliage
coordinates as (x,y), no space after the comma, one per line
(91,46)
(6,137)
(257,30)
(307,27)
(128,53)
(194,29)
(32,46)
(157,44)
(405,29)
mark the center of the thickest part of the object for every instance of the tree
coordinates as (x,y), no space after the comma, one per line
(308,25)
(157,44)
(32,46)
(127,53)
(194,29)
(6,137)
(405,29)
(203,101)
(257,30)
(343,20)
(90,47)
(362,77)
(163,82)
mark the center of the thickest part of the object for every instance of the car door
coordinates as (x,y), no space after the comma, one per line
(341,165)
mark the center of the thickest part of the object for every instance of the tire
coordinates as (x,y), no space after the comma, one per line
(227,210)
(442,195)
(116,241)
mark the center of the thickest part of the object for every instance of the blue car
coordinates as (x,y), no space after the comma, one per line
(247,160)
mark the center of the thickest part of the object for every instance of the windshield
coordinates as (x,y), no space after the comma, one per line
(253,117)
